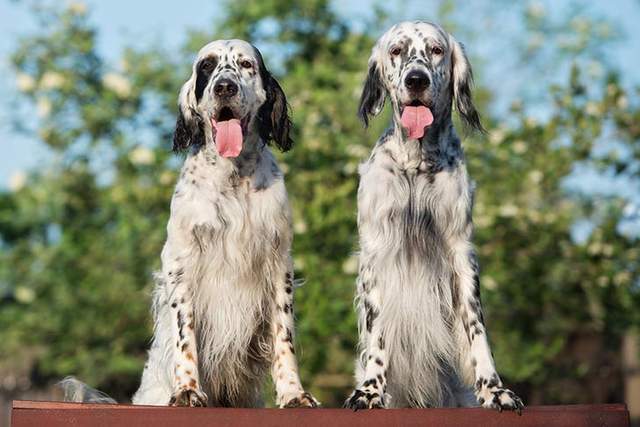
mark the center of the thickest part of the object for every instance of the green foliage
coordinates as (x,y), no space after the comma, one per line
(81,238)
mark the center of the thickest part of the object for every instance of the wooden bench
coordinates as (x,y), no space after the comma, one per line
(32,413)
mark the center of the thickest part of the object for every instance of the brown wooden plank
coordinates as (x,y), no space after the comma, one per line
(31,413)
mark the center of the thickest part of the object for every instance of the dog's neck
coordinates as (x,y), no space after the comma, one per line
(244,164)
(439,145)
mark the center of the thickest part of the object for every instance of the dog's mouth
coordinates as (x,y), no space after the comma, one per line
(229,131)
(416,117)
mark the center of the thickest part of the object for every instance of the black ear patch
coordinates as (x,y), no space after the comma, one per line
(373,95)
(273,119)
(462,90)
(204,69)
(188,133)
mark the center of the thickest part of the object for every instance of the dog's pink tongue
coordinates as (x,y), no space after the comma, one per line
(415,119)
(228,137)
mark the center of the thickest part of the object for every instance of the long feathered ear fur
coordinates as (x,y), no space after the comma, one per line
(273,119)
(189,127)
(462,82)
(373,94)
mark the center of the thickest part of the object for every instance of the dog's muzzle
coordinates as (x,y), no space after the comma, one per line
(417,81)
(225,88)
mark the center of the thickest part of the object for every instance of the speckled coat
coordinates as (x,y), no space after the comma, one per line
(423,340)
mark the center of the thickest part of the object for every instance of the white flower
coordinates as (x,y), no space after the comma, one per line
(78,8)
(43,107)
(166,177)
(623,102)
(508,210)
(536,176)
(350,168)
(622,277)
(358,151)
(300,227)
(592,108)
(594,248)
(488,282)
(24,295)
(483,221)
(519,147)
(595,69)
(141,156)
(580,24)
(17,181)
(299,262)
(118,84)
(630,210)
(350,266)
(497,136)
(51,80)
(25,82)
(536,10)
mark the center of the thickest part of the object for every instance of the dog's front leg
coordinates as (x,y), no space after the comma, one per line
(372,381)
(186,384)
(477,360)
(289,391)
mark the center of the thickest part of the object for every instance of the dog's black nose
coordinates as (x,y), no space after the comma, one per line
(225,88)
(416,81)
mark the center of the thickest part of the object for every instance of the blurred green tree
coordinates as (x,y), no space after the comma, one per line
(81,236)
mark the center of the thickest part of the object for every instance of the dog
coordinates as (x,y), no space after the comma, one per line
(422,336)
(223,301)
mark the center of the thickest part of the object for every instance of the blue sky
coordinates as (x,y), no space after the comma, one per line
(144,22)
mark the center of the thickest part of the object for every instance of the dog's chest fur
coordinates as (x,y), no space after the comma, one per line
(413,205)
(237,217)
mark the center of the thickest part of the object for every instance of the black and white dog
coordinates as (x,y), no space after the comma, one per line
(422,335)
(223,302)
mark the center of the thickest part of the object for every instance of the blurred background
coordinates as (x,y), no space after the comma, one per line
(89,92)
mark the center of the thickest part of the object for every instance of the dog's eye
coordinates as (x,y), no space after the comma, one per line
(207,65)
(395,51)
(436,50)
(246,63)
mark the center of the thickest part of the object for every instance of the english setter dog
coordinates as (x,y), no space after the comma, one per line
(223,302)
(422,336)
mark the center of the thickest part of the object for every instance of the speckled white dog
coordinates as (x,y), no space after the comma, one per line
(422,333)
(223,302)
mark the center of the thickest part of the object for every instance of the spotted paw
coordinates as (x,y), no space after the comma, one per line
(188,397)
(304,400)
(500,398)
(364,399)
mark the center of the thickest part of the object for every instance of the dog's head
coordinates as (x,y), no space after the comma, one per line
(422,69)
(229,96)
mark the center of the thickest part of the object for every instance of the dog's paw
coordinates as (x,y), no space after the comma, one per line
(500,398)
(364,399)
(304,400)
(188,397)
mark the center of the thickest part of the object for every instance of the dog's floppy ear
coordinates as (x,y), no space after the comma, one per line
(273,119)
(189,127)
(373,94)
(462,82)
(189,132)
